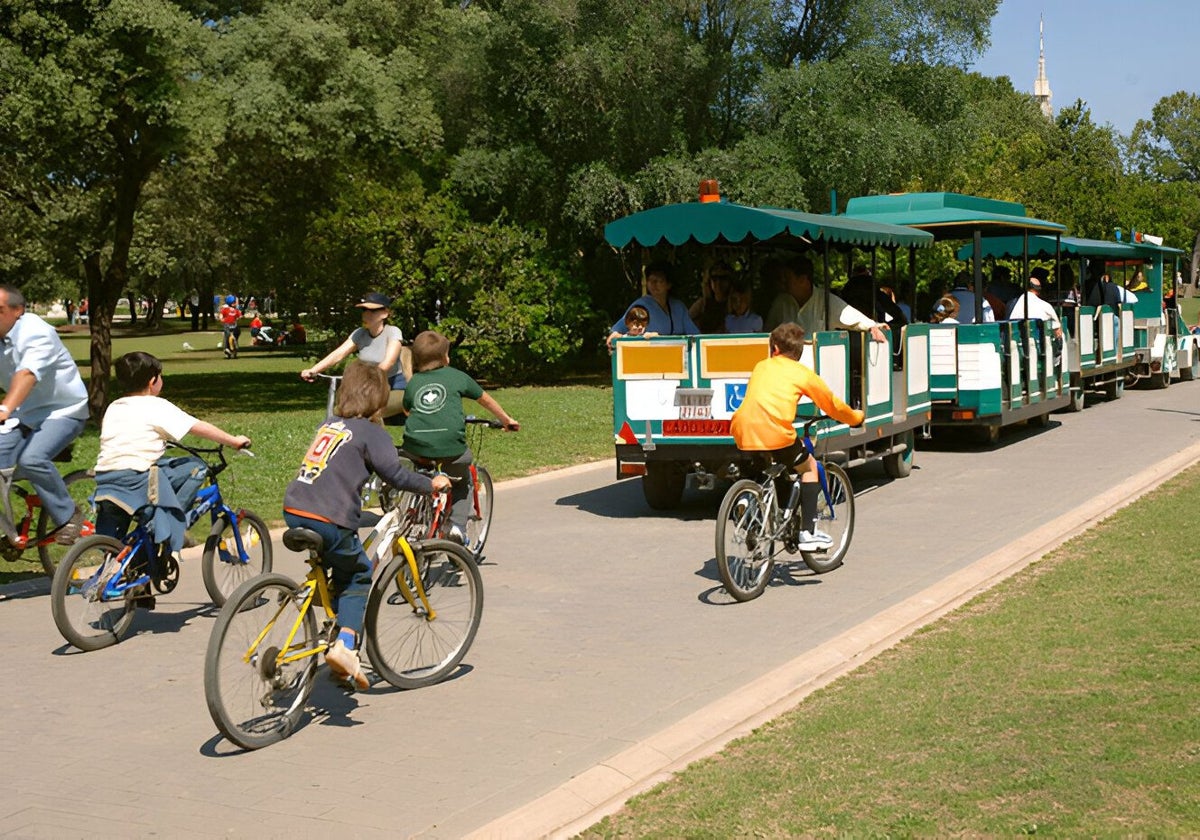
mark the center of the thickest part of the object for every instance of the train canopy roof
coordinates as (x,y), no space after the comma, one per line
(728,223)
(1042,247)
(948,215)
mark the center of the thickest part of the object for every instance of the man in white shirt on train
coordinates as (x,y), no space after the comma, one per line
(801,302)
(1030,304)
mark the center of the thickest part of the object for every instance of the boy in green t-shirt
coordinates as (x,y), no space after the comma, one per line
(436,429)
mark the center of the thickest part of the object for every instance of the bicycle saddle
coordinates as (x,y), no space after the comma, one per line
(302,539)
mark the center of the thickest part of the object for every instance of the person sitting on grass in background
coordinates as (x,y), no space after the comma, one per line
(324,497)
(766,422)
(436,429)
(131,471)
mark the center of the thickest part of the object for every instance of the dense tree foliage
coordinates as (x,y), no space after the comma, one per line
(464,157)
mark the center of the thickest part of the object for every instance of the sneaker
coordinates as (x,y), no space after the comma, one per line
(68,532)
(456,535)
(343,663)
(814,541)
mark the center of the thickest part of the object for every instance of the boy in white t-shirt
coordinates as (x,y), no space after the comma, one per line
(131,471)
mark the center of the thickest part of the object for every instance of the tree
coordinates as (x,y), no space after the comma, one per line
(95,98)
(1167,146)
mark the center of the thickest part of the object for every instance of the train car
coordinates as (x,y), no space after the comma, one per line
(673,396)
(1146,344)
(984,376)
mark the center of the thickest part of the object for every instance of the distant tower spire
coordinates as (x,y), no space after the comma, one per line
(1041,85)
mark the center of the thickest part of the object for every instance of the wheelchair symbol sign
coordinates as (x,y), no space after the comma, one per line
(734,394)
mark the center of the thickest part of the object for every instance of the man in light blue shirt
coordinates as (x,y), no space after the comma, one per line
(44,409)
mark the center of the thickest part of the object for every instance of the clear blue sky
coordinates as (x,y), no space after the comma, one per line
(1118,57)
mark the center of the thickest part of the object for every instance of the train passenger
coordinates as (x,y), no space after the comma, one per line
(709,311)
(765,421)
(1003,288)
(945,311)
(740,319)
(636,321)
(859,293)
(668,315)
(797,303)
(904,308)
(961,290)
(1031,305)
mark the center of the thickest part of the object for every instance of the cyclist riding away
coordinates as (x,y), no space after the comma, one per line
(765,421)
(131,471)
(436,429)
(45,407)
(229,316)
(325,497)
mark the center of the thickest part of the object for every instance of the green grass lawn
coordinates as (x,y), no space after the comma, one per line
(1064,701)
(260,394)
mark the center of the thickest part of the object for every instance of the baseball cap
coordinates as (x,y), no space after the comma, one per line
(375,300)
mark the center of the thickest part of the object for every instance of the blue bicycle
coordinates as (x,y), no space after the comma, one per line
(101,581)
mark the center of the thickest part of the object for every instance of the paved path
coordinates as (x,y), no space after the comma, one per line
(608,654)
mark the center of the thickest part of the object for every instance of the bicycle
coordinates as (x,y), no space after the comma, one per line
(423,612)
(17,525)
(428,517)
(751,521)
(102,580)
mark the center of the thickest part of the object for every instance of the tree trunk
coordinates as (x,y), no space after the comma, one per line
(102,301)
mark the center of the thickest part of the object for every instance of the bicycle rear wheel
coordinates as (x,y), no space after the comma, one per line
(254,698)
(81,484)
(87,617)
(222,567)
(836,519)
(745,556)
(411,646)
(480,521)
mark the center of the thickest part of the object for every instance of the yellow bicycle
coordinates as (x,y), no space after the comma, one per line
(423,611)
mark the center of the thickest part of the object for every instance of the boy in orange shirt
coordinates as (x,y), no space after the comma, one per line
(765,421)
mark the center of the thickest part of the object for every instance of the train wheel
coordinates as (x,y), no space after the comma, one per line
(1192,371)
(900,464)
(662,485)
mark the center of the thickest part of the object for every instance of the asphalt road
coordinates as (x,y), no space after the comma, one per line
(604,626)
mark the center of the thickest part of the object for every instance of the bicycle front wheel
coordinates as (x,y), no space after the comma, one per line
(254,683)
(81,484)
(480,521)
(222,567)
(87,617)
(835,516)
(409,642)
(745,557)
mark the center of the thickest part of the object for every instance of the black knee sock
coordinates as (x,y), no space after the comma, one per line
(809,493)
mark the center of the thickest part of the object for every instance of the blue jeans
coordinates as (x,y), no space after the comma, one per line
(349,567)
(31,450)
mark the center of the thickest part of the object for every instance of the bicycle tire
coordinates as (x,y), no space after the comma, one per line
(83,616)
(837,521)
(255,701)
(81,484)
(745,556)
(222,570)
(480,520)
(404,646)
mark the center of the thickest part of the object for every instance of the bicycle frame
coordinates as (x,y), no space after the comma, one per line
(18,530)
(315,591)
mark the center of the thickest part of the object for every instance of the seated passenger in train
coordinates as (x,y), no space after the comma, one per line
(945,311)
(739,318)
(961,291)
(668,315)
(796,301)
(709,310)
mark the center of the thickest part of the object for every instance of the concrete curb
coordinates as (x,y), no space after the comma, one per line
(603,790)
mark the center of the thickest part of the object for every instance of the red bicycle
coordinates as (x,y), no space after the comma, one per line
(428,517)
